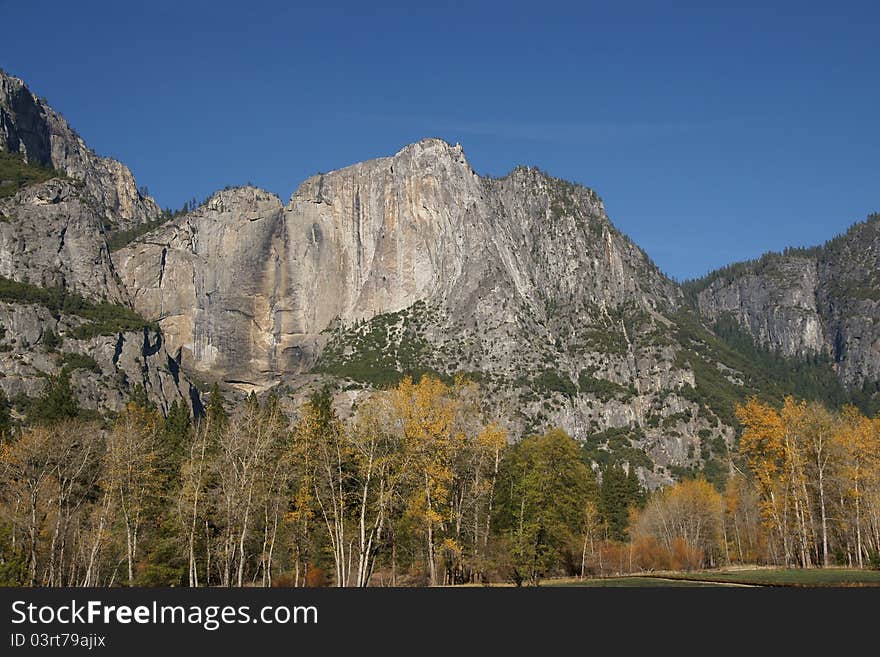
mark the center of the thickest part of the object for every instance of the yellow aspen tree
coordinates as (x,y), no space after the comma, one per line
(477,447)
(856,437)
(592,527)
(763,446)
(685,519)
(322,435)
(794,417)
(818,427)
(872,484)
(28,486)
(426,413)
(378,475)
(741,514)
(192,478)
(76,454)
(246,449)
(130,473)
(489,447)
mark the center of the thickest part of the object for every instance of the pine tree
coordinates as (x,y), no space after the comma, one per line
(178,425)
(13,560)
(619,491)
(5,417)
(50,340)
(542,500)
(164,563)
(322,402)
(634,492)
(139,397)
(57,401)
(215,413)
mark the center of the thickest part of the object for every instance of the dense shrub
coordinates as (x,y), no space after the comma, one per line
(105,318)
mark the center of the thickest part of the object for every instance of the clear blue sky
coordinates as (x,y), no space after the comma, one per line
(712,134)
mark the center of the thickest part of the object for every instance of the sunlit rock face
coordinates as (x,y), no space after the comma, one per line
(407,264)
(53,237)
(824,300)
(246,287)
(29,126)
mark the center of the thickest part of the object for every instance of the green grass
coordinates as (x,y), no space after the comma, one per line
(798,577)
(784,577)
(632,582)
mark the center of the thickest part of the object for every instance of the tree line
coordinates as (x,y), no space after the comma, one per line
(803,490)
(417,487)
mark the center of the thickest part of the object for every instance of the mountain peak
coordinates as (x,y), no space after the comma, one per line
(429,156)
(246,201)
(433,146)
(30,127)
(432,150)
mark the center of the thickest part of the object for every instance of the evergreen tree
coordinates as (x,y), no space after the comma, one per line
(13,560)
(543,490)
(57,401)
(5,417)
(215,413)
(634,491)
(50,340)
(139,396)
(619,491)
(178,425)
(165,564)
(322,401)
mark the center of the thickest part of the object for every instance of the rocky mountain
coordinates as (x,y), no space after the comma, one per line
(398,266)
(52,237)
(30,127)
(414,263)
(249,287)
(819,301)
(62,304)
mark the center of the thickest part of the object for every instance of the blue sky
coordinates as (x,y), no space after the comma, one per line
(712,134)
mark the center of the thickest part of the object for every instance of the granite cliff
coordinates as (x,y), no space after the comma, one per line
(63,307)
(822,301)
(414,263)
(30,127)
(403,265)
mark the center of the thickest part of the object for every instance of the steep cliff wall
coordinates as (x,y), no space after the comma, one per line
(247,287)
(29,126)
(57,273)
(824,300)
(51,236)
(415,263)
(408,264)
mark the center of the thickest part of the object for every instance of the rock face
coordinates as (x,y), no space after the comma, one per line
(409,264)
(214,280)
(30,127)
(777,305)
(53,236)
(824,300)
(104,375)
(247,287)
(415,263)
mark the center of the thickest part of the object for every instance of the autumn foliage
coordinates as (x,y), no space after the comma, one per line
(414,485)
